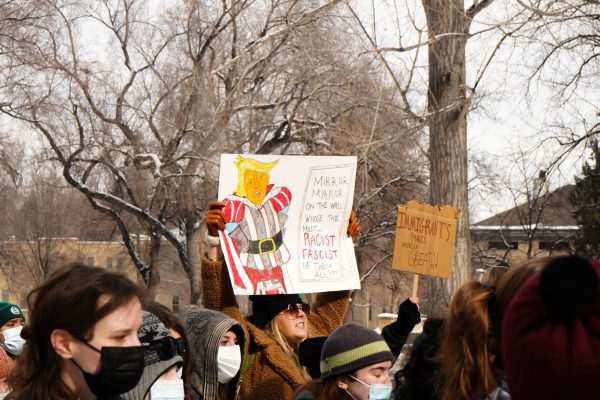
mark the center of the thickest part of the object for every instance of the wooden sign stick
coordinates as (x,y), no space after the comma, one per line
(415,285)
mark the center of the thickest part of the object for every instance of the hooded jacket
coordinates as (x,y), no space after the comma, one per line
(271,374)
(204,330)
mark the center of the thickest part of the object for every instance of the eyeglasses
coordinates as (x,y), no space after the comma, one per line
(293,310)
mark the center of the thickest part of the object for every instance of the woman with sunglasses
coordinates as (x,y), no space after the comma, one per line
(278,325)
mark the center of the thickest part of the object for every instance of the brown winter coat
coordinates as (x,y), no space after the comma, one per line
(272,374)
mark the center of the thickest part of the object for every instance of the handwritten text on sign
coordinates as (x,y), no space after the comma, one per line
(326,206)
(425,239)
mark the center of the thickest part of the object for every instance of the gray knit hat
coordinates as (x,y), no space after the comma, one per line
(162,352)
(352,347)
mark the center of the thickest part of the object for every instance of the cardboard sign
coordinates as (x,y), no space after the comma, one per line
(287,218)
(425,239)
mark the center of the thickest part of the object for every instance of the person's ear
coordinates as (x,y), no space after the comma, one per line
(61,343)
(342,382)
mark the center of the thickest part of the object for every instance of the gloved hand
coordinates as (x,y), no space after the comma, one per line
(354,227)
(215,218)
(408,312)
(396,333)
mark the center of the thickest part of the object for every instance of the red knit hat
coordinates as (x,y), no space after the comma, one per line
(551,333)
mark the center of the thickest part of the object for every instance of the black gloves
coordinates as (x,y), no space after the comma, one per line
(396,333)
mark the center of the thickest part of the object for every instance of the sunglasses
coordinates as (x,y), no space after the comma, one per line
(292,311)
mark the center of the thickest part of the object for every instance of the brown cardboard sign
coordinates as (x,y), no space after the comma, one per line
(425,239)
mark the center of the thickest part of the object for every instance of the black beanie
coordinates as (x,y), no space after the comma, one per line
(352,347)
(265,308)
(309,355)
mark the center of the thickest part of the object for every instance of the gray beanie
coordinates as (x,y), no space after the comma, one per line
(161,353)
(352,347)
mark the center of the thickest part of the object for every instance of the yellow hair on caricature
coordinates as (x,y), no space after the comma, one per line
(244,164)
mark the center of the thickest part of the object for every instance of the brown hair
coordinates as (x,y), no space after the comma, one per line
(323,389)
(506,288)
(465,362)
(68,299)
(494,274)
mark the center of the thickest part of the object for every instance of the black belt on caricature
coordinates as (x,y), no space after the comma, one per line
(265,246)
(163,349)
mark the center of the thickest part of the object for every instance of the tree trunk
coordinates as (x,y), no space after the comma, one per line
(194,250)
(448,107)
(153,263)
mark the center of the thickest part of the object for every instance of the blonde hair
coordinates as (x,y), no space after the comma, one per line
(244,164)
(274,333)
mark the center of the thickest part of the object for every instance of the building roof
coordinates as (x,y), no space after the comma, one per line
(553,209)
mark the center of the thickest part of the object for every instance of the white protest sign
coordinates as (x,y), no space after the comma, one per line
(287,220)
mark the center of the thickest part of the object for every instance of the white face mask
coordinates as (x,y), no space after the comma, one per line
(13,342)
(229,360)
(377,391)
(167,389)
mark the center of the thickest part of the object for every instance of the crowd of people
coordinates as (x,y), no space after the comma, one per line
(532,332)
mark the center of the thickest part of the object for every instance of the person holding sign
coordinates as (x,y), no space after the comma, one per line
(278,325)
(256,215)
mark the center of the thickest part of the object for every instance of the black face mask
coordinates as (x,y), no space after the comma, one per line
(120,370)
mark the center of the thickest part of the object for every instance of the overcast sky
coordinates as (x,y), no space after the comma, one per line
(509,117)
(512,114)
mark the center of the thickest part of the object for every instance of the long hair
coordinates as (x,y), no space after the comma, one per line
(323,389)
(73,298)
(172,321)
(418,380)
(291,351)
(507,287)
(465,359)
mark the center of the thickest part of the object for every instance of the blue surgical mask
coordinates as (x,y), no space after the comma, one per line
(377,391)
(13,342)
(380,391)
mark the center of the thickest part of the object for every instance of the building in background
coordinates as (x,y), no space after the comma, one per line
(24,264)
(541,226)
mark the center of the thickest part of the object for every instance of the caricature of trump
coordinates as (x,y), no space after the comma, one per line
(256,213)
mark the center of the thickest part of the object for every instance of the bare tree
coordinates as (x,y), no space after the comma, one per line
(139,134)
(537,215)
(567,60)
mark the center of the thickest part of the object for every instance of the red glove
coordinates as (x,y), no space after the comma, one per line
(215,219)
(354,227)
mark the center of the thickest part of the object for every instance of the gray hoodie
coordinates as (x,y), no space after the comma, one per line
(204,329)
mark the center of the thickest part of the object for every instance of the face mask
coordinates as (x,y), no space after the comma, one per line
(229,360)
(380,391)
(120,370)
(13,342)
(164,389)
(377,391)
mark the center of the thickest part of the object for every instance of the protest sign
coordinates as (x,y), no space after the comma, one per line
(425,239)
(287,218)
